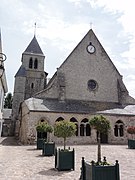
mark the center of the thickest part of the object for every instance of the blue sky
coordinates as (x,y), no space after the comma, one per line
(61,24)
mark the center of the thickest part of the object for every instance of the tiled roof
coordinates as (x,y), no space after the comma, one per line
(34,47)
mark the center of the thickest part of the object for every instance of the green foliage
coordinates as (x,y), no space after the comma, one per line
(102,163)
(8,101)
(64,129)
(100,123)
(44,127)
(48,128)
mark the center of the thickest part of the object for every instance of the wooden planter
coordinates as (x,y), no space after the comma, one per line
(48,148)
(92,172)
(64,160)
(131,144)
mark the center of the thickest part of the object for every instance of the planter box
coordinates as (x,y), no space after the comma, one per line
(92,172)
(64,160)
(40,143)
(41,136)
(48,148)
(131,144)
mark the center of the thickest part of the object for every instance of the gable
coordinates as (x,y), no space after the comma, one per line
(82,68)
(88,76)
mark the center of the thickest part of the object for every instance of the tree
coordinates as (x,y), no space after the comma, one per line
(48,129)
(8,101)
(102,125)
(64,129)
(44,127)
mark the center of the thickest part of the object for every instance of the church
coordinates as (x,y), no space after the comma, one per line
(87,83)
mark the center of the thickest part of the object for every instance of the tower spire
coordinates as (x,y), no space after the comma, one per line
(35,26)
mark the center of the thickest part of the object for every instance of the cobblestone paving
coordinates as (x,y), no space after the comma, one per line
(27,163)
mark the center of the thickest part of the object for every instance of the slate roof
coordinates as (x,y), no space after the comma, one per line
(53,105)
(73,106)
(128,110)
(21,71)
(34,47)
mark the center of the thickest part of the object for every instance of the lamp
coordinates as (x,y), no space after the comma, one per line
(2,59)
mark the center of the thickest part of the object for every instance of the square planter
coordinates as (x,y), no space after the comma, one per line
(131,144)
(95,172)
(48,148)
(40,143)
(41,136)
(64,160)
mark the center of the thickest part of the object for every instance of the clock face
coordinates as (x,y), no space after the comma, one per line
(91,49)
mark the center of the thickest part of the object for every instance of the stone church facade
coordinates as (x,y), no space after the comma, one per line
(87,83)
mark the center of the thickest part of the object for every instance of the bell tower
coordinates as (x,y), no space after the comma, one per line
(33,63)
(30,77)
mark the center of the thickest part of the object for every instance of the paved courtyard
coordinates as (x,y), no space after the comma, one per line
(27,163)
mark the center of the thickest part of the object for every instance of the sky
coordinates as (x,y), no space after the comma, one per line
(60,26)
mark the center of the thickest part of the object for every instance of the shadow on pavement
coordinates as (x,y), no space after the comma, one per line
(53,172)
(8,141)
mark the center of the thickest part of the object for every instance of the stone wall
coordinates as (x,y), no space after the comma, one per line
(29,121)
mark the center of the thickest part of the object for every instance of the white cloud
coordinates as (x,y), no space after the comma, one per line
(62,24)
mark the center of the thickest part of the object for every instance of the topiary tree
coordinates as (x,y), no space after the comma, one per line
(44,127)
(48,129)
(64,129)
(102,125)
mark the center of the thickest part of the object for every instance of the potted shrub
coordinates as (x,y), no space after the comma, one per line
(64,158)
(99,170)
(41,134)
(131,141)
(48,146)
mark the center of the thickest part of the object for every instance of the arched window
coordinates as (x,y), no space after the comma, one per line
(84,120)
(116,130)
(76,133)
(76,123)
(59,119)
(36,64)
(82,130)
(30,63)
(88,130)
(119,129)
(85,128)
